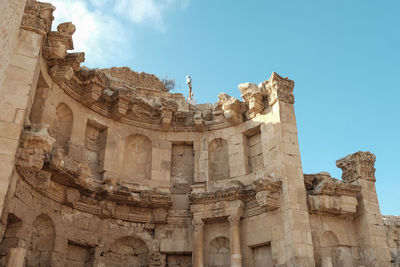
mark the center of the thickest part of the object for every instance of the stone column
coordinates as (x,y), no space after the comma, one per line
(16,257)
(360,168)
(234,240)
(198,257)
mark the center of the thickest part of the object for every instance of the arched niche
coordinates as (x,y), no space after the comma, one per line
(218,254)
(137,157)
(42,242)
(333,254)
(63,126)
(126,251)
(218,160)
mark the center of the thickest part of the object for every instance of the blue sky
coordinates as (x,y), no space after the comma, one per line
(344,57)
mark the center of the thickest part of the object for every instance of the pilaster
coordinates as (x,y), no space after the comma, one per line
(20,80)
(198,257)
(359,168)
(282,161)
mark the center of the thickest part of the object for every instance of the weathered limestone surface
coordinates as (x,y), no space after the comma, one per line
(105,167)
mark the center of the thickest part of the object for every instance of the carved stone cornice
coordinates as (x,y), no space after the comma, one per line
(279,89)
(359,165)
(233,108)
(37,17)
(265,191)
(327,195)
(37,164)
(323,184)
(58,42)
(253,97)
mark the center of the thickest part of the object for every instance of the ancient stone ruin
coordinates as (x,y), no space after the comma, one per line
(105,167)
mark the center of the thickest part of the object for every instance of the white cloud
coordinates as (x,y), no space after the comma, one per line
(100,32)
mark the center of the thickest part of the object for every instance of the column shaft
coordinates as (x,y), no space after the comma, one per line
(236,254)
(198,257)
(16,257)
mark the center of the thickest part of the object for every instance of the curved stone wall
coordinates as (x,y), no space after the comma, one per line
(110,169)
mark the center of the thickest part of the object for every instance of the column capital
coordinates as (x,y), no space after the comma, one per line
(235,218)
(359,165)
(279,89)
(198,224)
(37,17)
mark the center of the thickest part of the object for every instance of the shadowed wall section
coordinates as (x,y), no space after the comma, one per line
(218,160)
(137,157)
(63,126)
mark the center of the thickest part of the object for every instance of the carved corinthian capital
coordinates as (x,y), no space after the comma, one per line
(37,17)
(198,224)
(279,89)
(359,165)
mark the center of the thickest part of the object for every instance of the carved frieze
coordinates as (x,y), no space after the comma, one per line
(265,191)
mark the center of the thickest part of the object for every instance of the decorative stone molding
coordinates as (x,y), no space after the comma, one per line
(267,200)
(156,259)
(116,93)
(58,42)
(359,165)
(253,97)
(38,164)
(232,107)
(279,88)
(265,191)
(219,209)
(37,17)
(35,143)
(328,195)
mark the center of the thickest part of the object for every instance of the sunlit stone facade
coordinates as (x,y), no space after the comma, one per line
(105,167)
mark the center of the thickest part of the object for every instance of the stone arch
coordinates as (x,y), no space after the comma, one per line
(333,253)
(11,237)
(218,252)
(329,239)
(137,157)
(126,251)
(218,160)
(42,242)
(63,126)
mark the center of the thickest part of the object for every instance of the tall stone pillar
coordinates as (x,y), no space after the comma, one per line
(282,161)
(19,79)
(198,257)
(359,168)
(234,240)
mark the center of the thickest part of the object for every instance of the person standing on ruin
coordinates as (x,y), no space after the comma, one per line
(189,83)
